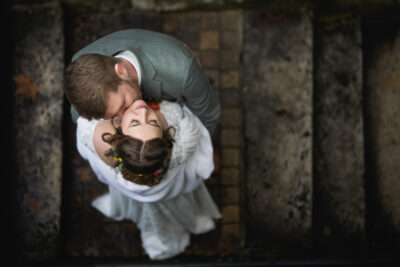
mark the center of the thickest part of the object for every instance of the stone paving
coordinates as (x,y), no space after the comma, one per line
(306,152)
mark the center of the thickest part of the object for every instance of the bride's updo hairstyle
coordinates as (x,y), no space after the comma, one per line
(140,162)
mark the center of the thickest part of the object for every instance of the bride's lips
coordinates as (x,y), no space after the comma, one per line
(140,106)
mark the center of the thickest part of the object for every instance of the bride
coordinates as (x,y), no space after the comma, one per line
(154,160)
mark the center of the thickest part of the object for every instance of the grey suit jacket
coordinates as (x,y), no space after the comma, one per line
(169,70)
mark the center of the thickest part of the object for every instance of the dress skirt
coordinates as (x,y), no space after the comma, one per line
(166,225)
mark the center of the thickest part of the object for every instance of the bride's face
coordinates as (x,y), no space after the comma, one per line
(141,122)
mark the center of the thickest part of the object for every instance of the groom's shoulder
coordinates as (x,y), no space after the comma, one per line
(139,35)
(146,41)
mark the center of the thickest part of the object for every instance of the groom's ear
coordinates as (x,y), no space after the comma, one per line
(121,71)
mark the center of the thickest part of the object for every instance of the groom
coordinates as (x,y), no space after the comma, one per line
(108,75)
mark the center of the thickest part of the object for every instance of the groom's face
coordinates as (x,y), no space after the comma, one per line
(117,102)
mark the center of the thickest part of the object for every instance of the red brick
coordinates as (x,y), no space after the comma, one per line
(230,98)
(217,161)
(210,20)
(230,137)
(230,214)
(230,59)
(171,22)
(192,21)
(231,117)
(191,39)
(231,231)
(230,39)
(230,79)
(230,195)
(210,58)
(230,176)
(230,157)
(230,20)
(209,40)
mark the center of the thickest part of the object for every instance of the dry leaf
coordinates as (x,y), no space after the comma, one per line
(83,173)
(33,205)
(25,86)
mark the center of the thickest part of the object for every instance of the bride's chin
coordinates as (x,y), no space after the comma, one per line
(135,104)
(139,102)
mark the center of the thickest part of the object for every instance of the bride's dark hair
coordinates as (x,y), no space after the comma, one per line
(141,162)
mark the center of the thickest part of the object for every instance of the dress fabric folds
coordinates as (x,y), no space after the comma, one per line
(180,205)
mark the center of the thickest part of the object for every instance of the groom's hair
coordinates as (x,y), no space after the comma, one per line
(143,162)
(87,82)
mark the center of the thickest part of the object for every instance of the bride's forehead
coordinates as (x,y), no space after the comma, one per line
(143,131)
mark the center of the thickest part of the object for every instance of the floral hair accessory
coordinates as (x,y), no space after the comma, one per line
(117,158)
(154,105)
(118,168)
(157,172)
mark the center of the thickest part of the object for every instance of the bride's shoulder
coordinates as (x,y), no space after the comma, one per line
(90,134)
(85,129)
(170,106)
(104,126)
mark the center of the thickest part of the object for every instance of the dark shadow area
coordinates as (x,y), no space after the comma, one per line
(329,232)
(68,146)
(383,238)
(9,186)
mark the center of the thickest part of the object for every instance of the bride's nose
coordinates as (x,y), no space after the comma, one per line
(141,112)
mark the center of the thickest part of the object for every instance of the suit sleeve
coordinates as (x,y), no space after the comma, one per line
(200,97)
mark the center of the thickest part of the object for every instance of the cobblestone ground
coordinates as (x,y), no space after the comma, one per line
(215,39)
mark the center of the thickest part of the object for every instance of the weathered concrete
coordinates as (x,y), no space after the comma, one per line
(277,98)
(383,129)
(339,140)
(38,74)
(291,5)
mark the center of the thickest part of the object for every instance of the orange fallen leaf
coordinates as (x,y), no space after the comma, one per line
(303,9)
(25,87)
(33,205)
(83,173)
(272,17)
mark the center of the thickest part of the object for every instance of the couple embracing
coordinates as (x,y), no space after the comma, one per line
(153,155)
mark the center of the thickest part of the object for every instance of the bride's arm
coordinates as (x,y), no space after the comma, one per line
(102,147)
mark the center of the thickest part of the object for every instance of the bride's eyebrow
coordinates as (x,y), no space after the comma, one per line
(138,123)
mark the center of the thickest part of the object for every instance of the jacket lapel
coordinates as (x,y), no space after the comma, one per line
(151,87)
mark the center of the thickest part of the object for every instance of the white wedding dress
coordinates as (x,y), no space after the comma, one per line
(166,213)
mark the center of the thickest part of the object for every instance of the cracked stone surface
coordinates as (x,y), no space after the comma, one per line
(277,97)
(339,138)
(39,57)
